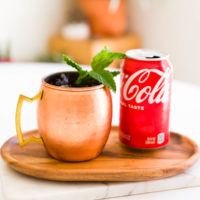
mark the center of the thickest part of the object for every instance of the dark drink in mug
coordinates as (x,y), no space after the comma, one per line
(145,98)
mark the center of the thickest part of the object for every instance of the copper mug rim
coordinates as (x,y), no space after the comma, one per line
(71,89)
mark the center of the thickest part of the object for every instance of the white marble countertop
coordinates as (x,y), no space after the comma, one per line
(25,79)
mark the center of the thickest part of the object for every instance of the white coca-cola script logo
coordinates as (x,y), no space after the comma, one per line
(155,94)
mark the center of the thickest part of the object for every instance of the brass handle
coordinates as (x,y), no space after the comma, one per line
(21,99)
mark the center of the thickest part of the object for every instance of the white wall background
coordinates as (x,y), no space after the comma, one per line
(171,26)
(28,24)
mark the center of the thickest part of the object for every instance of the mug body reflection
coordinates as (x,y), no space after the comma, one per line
(74,123)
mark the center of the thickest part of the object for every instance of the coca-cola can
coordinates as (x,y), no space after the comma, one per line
(145,96)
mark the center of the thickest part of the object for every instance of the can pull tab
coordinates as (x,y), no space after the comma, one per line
(152,57)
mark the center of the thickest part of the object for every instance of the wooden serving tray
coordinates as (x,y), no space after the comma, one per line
(116,163)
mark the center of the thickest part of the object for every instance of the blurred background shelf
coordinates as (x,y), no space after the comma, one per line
(82,50)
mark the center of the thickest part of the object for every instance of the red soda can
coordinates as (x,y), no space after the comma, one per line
(145,96)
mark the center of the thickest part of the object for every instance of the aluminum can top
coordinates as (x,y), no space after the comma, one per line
(146,55)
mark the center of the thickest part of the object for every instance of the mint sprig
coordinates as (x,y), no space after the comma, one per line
(99,62)
(104,58)
(104,77)
(82,73)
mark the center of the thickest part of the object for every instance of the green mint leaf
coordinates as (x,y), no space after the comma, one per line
(104,58)
(82,73)
(105,77)
(72,63)
(81,77)
(115,73)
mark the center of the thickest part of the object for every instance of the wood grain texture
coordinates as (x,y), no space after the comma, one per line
(116,162)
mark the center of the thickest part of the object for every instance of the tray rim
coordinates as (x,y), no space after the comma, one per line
(184,165)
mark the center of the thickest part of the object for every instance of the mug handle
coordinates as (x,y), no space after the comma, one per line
(22,98)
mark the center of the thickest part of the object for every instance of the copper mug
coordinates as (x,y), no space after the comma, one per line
(74,123)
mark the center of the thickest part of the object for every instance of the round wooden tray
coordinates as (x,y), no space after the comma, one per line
(116,163)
